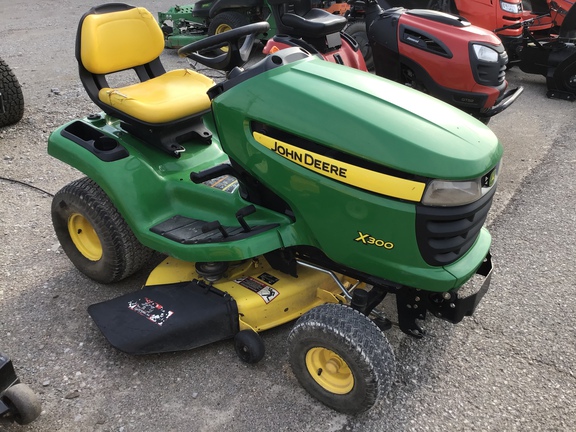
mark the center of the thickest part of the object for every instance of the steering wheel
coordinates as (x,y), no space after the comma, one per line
(234,55)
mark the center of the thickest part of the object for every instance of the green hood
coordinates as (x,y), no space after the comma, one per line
(366,116)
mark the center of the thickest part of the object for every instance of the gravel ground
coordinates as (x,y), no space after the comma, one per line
(509,368)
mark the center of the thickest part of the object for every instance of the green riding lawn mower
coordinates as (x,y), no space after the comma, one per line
(295,189)
(184,24)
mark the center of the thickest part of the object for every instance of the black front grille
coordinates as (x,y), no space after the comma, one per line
(444,234)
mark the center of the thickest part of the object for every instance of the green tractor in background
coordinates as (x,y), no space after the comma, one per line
(185,24)
(189,23)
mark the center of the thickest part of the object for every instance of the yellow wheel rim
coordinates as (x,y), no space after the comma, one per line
(329,370)
(84,237)
(221,29)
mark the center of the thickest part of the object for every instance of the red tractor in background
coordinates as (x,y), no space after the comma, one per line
(505,17)
(539,35)
(436,53)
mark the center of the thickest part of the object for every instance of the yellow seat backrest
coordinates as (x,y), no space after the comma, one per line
(121,40)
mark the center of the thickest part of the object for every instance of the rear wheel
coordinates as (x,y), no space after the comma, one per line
(341,358)
(94,235)
(23,403)
(358,31)
(226,21)
(11,97)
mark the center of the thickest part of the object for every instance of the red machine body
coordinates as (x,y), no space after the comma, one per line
(316,30)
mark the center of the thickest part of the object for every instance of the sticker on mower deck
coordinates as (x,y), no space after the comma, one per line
(155,312)
(268,278)
(266,292)
(226,183)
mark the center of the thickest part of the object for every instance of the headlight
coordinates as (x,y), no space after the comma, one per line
(485,53)
(449,193)
(514,8)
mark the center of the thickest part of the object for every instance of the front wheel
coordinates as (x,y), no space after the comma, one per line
(249,346)
(23,403)
(341,358)
(94,235)
(358,32)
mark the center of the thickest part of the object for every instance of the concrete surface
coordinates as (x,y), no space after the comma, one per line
(509,368)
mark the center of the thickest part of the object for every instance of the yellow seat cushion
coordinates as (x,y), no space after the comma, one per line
(174,95)
(121,40)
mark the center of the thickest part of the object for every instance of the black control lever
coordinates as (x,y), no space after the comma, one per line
(242,213)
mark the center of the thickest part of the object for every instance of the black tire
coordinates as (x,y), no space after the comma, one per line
(249,346)
(225,21)
(94,235)
(12,99)
(341,358)
(357,30)
(23,403)
(565,76)
(440,5)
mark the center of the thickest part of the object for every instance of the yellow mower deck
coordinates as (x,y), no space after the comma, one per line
(265,297)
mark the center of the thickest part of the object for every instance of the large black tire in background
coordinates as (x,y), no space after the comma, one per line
(357,30)
(11,97)
(226,21)
(446,6)
(94,235)
(341,358)
(564,78)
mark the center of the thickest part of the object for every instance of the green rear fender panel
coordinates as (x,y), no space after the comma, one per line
(149,187)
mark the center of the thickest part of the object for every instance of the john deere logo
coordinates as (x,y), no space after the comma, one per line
(353,175)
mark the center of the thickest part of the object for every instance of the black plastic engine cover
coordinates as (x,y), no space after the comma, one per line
(7,373)
(165,318)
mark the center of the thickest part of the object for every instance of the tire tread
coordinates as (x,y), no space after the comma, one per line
(360,336)
(129,254)
(11,93)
